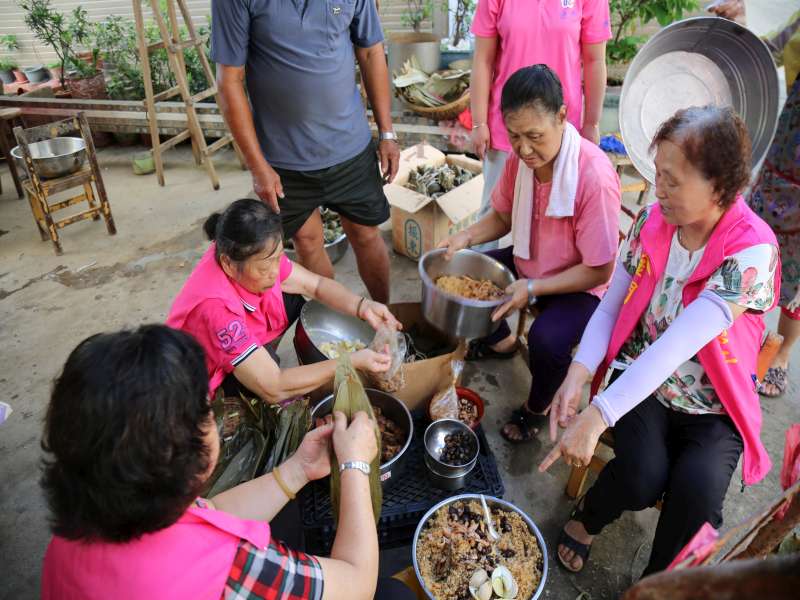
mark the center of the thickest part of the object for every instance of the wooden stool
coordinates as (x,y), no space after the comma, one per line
(39,190)
(10,117)
(577,477)
(620,161)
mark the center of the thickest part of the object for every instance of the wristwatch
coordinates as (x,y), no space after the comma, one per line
(358,465)
(388,135)
(531,295)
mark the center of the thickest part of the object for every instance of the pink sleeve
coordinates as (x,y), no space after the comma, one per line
(484,23)
(595,22)
(222,333)
(597,216)
(503,193)
(285,268)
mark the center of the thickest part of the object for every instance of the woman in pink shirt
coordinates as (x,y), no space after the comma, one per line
(569,36)
(244,294)
(564,245)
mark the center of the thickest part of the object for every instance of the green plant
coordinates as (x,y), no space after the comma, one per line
(7,65)
(416,12)
(9,42)
(627,15)
(462,19)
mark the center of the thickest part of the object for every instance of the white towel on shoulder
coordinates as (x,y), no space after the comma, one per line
(562,192)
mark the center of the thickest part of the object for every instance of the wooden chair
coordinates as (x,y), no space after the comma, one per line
(642,186)
(9,117)
(577,477)
(39,190)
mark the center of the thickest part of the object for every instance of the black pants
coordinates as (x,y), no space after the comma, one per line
(294,304)
(687,459)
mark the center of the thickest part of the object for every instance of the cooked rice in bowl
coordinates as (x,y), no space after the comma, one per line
(455,542)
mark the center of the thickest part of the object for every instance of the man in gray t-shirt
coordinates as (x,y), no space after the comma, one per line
(304,131)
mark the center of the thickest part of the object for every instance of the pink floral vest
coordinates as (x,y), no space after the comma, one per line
(730,359)
(190,559)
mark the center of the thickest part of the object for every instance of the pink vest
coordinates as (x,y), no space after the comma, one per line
(189,559)
(730,359)
(207,281)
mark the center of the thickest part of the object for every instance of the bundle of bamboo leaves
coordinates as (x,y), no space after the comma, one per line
(437,89)
(350,399)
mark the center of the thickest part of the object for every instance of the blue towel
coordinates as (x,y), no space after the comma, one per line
(613,144)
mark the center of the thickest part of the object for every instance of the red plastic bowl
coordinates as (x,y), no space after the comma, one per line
(473,397)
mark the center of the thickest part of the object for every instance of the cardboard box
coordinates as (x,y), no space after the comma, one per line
(419,222)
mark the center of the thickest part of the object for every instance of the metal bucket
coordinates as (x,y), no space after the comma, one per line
(698,61)
(425,46)
(319,324)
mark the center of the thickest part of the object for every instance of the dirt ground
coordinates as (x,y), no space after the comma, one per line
(49,303)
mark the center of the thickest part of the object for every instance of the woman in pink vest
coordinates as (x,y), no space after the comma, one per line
(131,440)
(244,294)
(680,327)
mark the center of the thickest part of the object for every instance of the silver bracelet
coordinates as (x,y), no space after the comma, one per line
(531,296)
(478,126)
(358,465)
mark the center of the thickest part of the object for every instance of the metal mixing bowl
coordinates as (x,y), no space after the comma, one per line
(434,442)
(335,249)
(319,324)
(698,61)
(56,157)
(492,502)
(454,315)
(392,409)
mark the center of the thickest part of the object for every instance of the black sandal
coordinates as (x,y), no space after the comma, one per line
(564,539)
(480,350)
(527,423)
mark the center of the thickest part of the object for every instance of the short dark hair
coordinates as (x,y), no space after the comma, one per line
(536,86)
(124,434)
(715,140)
(243,229)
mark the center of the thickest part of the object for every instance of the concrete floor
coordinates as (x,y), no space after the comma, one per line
(49,303)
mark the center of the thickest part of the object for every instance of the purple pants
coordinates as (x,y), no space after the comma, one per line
(554,333)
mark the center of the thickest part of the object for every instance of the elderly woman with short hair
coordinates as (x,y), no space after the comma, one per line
(681,328)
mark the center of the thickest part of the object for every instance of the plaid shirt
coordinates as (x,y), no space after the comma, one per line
(276,573)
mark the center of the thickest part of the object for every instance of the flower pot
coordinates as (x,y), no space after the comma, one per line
(143,163)
(55,72)
(7,76)
(20,76)
(425,46)
(88,88)
(36,74)
(450,56)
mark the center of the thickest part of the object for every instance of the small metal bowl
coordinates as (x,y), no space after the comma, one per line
(319,324)
(56,157)
(433,441)
(451,483)
(335,249)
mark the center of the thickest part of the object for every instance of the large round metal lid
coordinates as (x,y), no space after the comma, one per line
(695,62)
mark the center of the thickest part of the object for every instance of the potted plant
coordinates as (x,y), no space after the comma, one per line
(459,46)
(55,70)
(7,66)
(425,46)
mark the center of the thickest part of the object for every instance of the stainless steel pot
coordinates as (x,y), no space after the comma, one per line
(335,249)
(56,157)
(456,316)
(392,409)
(698,61)
(319,324)
(491,502)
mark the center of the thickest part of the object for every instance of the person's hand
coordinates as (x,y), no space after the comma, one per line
(454,243)
(356,441)
(311,458)
(567,398)
(267,185)
(728,9)
(389,157)
(591,131)
(481,139)
(369,360)
(518,300)
(378,315)
(579,440)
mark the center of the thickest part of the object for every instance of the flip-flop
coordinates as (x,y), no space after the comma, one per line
(527,423)
(777,376)
(564,539)
(480,350)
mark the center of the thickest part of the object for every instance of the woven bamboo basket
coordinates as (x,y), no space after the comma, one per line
(441,113)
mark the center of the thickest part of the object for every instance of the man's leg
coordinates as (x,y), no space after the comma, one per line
(309,243)
(372,258)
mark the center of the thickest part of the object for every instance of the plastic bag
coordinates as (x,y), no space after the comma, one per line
(444,405)
(395,377)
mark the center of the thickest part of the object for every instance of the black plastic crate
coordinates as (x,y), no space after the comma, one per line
(405,503)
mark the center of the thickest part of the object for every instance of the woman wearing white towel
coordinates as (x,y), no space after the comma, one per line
(559,196)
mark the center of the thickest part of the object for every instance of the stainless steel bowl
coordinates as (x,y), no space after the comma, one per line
(434,442)
(698,61)
(451,483)
(454,315)
(335,249)
(492,502)
(56,157)
(392,409)
(319,324)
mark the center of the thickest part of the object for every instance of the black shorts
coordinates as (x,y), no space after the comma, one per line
(353,188)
